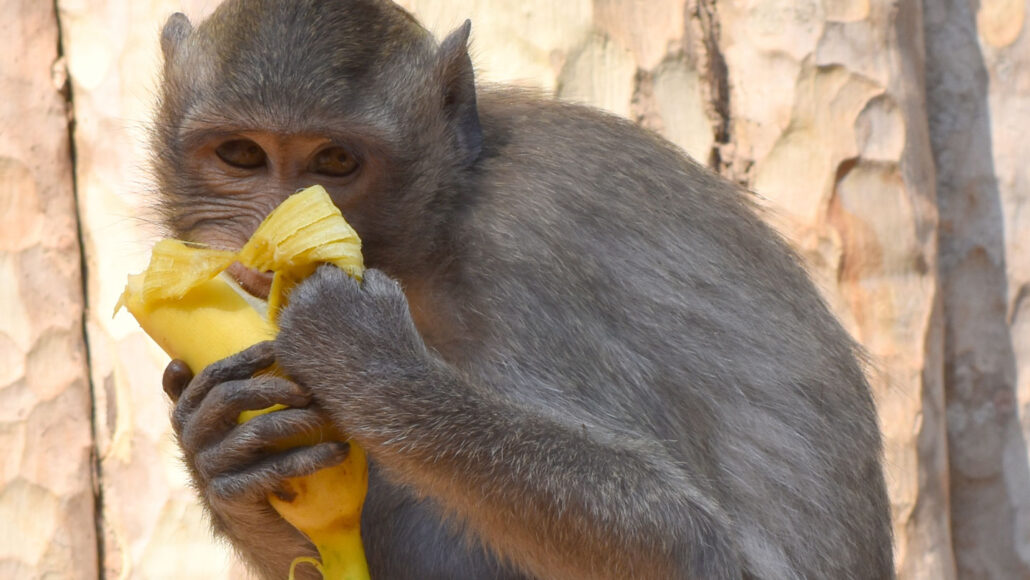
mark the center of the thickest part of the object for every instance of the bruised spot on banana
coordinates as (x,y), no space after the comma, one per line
(197,314)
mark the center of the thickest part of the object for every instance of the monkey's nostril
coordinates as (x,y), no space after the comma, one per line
(256,283)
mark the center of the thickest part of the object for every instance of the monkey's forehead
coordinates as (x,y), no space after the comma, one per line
(300,57)
(289,114)
(293,37)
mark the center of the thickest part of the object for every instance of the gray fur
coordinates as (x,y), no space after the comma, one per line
(578,353)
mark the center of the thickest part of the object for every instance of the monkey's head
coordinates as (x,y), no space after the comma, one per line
(269,96)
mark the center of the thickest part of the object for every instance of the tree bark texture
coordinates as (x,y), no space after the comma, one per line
(47,515)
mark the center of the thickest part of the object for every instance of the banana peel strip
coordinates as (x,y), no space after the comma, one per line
(304,231)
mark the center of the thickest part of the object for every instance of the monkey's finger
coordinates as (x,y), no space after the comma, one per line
(261,437)
(241,365)
(219,411)
(267,477)
(176,377)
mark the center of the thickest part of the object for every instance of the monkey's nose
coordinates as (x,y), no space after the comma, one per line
(255,283)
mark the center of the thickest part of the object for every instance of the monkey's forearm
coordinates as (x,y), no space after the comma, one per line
(560,497)
(563,499)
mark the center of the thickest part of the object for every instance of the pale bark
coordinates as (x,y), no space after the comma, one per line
(47,520)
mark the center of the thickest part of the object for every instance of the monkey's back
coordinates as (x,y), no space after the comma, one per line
(664,297)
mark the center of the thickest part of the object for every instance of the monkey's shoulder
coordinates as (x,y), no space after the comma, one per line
(514,115)
(589,161)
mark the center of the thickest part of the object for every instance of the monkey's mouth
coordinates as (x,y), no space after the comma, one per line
(255,283)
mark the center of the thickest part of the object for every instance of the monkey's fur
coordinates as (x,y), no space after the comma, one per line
(578,353)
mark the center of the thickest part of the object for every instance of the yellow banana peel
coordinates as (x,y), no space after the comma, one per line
(197,315)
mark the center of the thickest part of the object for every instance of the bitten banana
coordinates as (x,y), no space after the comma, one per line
(200,317)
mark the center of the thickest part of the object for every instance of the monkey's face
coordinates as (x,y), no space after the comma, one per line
(353,95)
(237,177)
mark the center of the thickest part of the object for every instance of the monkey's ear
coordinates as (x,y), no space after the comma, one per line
(459,82)
(176,29)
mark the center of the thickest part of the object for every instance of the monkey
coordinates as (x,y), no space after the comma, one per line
(576,353)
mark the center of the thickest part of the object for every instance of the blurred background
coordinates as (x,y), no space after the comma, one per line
(887,138)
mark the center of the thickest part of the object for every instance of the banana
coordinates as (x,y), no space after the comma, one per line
(199,315)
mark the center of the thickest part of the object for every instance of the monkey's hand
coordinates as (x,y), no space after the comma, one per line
(236,467)
(360,336)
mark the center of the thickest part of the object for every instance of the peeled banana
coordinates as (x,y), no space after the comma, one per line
(198,316)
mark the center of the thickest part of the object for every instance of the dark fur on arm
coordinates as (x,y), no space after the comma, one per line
(568,499)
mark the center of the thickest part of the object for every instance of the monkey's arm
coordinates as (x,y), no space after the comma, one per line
(560,497)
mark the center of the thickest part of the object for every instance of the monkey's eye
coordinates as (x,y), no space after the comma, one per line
(241,153)
(333,162)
